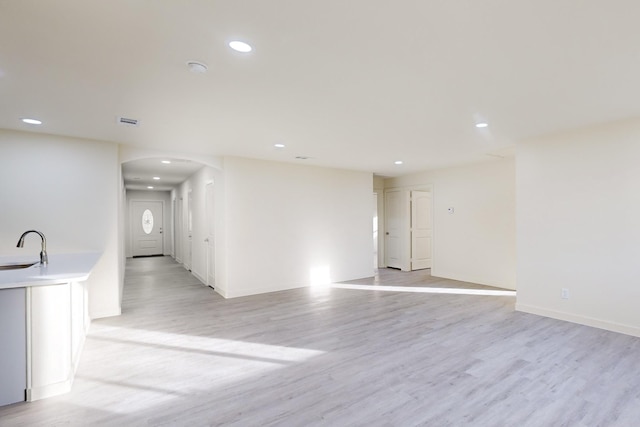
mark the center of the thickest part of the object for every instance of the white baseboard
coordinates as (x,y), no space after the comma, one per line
(257,291)
(199,277)
(582,320)
(476,280)
(49,390)
(103,314)
(221,291)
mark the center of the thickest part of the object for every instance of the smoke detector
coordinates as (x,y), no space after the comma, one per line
(197,67)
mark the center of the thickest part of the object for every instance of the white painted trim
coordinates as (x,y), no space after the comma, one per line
(49,390)
(199,277)
(462,278)
(103,314)
(222,291)
(582,320)
(261,290)
(422,187)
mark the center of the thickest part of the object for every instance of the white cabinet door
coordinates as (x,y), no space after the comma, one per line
(50,340)
(79,320)
(13,353)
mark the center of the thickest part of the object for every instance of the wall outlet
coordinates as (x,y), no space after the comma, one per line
(564,293)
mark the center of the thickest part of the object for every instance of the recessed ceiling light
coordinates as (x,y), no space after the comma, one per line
(197,67)
(279,145)
(32,121)
(166,162)
(482,125)
(239,46)
(398,162)
(156,178)
(150,187)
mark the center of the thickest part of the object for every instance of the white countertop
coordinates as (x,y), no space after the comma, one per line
(62,268)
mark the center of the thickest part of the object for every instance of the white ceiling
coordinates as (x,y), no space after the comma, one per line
(139,174)
(352,84)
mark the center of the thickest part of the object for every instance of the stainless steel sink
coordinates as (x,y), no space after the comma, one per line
(16,265)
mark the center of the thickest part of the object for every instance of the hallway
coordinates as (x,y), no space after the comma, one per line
(182,355)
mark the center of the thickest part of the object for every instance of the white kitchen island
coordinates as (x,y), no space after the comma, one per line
(43,323)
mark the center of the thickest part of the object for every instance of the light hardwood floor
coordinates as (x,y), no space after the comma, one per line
(182,355)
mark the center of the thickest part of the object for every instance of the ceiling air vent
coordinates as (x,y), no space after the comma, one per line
(128,122)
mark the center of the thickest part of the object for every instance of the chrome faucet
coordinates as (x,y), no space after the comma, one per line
(44,258)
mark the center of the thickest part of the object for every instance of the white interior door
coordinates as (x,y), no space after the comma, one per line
(421,230)
(146,227)
(179,230)
(173,229)
(393,234)
(375,231)
(210,239)
(189,252)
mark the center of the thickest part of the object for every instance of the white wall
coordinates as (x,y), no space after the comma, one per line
(68,189)
(165,198)
(289,226)
(477,243)
(579,226)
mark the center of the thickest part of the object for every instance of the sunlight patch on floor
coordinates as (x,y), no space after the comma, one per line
(245,350)
(164,361)
(427,290)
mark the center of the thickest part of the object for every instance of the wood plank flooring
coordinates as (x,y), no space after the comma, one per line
(181,355)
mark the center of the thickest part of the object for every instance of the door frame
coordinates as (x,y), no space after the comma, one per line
(131,222)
